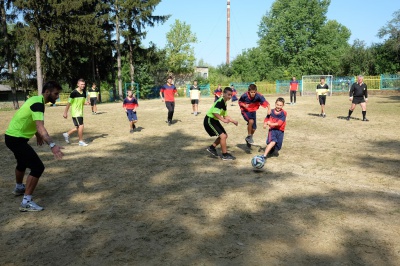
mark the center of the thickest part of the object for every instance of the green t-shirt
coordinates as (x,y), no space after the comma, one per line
(93,92)
(219,107)
(23,124)
(77,100)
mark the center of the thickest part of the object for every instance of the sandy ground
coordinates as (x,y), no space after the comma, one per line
(156,197)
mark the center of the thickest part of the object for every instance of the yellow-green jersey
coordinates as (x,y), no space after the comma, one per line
(219,107)
(23,124)
(77,100)
(93,93)
(322,89)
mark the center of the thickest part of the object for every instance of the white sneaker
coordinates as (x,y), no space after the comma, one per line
(66,137)
(82,143)
(30,206)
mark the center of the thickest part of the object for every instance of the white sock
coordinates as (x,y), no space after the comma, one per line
(19,186)
(26,199)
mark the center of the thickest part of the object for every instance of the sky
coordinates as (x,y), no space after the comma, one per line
(207,20)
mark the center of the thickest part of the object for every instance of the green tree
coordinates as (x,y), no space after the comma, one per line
(180,53)
(295,36)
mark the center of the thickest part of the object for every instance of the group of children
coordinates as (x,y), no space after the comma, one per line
(249,103)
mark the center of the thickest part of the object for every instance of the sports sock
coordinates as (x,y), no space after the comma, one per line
(26,199)
(350,112)
(212,147)
(19,186)
(364,113)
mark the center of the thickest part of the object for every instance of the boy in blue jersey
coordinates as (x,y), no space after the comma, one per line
(130,104)
(276,123)
(213,126)
(249,103)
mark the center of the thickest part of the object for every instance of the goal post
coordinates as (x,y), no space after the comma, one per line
(309,83)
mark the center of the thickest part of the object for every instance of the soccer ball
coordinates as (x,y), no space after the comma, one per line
(258,161)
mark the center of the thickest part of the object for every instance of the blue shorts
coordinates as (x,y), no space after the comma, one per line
(276,136)
(131,115)
(250,115)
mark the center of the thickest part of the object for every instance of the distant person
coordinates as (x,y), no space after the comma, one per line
(234,95)
(293,87)
(358,95)
(322,91)
(26,122)
(93,98)
(130,104)
(276,123)
(249,103)
(76,101)
(216,114)
(167,93)
(217,92)
(195,97)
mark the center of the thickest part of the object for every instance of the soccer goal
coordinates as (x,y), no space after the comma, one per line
(309,83)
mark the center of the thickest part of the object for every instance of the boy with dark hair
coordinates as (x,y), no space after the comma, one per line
(93,94)
(130,104)
(322,90)
(213,126)
(276,123)
(293,87)
(29,121)
(217,93)
(195,97)
(249,103)
(167,93)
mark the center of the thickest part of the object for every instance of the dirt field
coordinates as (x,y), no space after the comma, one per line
(156,197)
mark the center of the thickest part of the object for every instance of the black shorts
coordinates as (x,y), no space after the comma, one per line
(78,121)
(93,101)
(357,100)
(195,101)
(213,127)
(322,99)
(25,155)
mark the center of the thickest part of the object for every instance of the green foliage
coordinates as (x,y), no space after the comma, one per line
(180,53)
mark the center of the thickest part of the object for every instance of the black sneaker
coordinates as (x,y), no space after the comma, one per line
(212,151)
(169,123)
(249,139)
(365,119)
(348,118)
(228,157)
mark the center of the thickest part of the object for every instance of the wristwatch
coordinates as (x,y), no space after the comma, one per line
(52,144)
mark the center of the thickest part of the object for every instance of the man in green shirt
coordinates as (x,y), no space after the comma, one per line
(29,121)
(76,101)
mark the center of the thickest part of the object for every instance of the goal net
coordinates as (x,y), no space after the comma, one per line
(309,83)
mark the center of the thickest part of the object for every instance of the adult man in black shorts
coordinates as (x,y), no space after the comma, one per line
(29,121)
(358,95)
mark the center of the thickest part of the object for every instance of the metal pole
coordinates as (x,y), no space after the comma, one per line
(228,30)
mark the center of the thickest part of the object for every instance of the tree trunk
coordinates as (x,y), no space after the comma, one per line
(39,75)
(131,66)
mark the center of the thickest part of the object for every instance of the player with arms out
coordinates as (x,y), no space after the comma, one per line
(358,95)
(29,121)
(130,104)
(212,125)
(276,123)
(249,103)
(322,91)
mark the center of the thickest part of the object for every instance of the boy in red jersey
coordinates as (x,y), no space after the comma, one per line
(169,91)
(276,123)
(130,104)
(217,92)
(294,86)
(249,103)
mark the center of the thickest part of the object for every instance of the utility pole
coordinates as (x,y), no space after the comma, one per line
(228,29)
